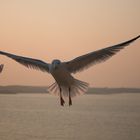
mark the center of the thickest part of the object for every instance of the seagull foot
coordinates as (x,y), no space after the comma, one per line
(70,102)
(62,101)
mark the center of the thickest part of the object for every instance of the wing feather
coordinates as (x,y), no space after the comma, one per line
(28,62)
(83,62)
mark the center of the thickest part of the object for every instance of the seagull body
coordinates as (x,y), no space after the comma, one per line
(65,84)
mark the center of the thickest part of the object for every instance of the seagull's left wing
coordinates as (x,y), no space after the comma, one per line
(83,62)
(28,62)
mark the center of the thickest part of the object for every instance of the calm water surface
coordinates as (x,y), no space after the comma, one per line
(92,117)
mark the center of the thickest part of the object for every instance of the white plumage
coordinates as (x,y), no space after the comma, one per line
(65,84)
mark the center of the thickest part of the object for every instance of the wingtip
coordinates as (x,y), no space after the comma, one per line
(135,38)
(138,37)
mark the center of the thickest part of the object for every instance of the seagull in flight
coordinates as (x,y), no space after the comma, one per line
(65,84)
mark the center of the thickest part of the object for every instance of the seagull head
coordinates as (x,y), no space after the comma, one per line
(56,63)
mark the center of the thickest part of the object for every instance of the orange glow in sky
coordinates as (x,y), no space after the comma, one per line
(63,29)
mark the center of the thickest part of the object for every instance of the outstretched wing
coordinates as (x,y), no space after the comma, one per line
(83,62)
(28,62)
(1,67)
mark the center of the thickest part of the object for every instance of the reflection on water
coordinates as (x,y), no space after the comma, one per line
(92,117)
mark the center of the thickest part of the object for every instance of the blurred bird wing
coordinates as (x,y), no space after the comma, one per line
(28,62)
(1,67)
(83,62)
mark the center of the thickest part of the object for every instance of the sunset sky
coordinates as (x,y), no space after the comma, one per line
(65,29)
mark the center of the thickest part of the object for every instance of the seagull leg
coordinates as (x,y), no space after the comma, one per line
(70,100)
(61,98)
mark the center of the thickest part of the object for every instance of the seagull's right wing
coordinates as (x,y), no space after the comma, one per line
(83,62)
(28,62)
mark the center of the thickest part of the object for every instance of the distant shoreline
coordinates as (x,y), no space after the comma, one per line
(16,89)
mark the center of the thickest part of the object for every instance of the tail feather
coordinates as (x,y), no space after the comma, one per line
(54,89)
(76,91)
(77,88)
